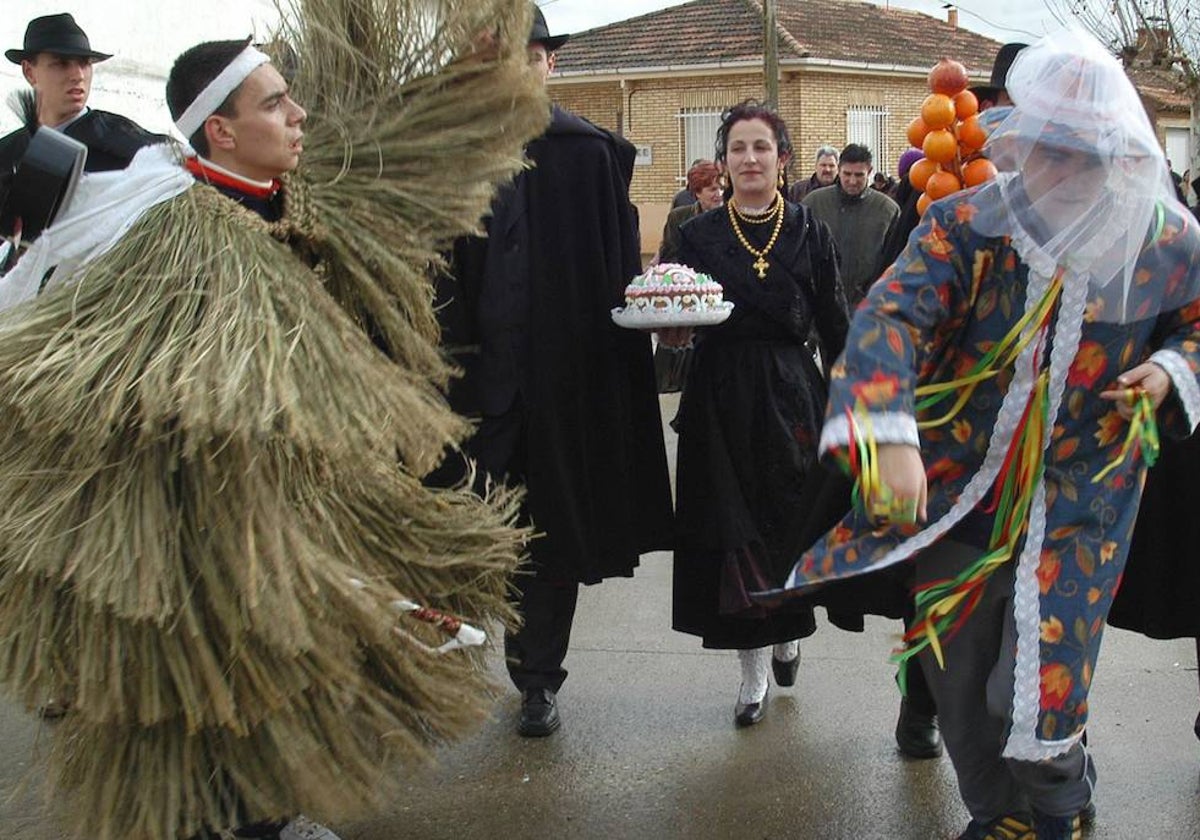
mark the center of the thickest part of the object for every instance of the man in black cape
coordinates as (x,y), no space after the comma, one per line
(566,399)
(56,59)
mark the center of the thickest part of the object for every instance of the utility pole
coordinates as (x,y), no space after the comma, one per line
(770,54)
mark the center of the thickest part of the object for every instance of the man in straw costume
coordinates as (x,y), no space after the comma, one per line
(219,413)
(998,400)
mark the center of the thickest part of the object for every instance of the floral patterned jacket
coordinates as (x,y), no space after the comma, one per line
(951,296)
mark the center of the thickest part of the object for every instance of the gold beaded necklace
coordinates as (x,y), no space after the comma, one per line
(760,264)
(761,218)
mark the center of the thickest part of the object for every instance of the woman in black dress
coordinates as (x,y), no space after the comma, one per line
(751,412)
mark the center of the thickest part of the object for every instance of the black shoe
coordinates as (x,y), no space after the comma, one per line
(785,672)
(748,714)
(917,734)
(1046,827)
(539,713)
(1196,728)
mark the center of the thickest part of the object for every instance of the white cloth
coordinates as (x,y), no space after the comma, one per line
(1082,174)
(104,207)
(218,90)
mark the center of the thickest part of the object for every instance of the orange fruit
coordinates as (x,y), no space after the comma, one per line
(971,133)
(923,203)
(938,110)
(940,146)
(918,174)
(965,104)
(916,132)
(978,171)
(942,184)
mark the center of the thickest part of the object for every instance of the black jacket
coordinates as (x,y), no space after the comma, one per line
(529,318)
(112,141)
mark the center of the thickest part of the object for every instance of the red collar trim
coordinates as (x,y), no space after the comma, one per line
(213,176)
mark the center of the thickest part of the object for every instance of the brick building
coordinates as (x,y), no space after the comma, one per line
(849,72)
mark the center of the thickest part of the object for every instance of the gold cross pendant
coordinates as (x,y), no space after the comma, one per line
(762,266)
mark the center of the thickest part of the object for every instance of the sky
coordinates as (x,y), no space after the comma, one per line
(146,35)
(1017,19)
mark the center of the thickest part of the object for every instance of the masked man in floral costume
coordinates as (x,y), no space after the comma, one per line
(220,409)
(996,400)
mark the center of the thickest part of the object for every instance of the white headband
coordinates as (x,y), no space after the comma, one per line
(218,90)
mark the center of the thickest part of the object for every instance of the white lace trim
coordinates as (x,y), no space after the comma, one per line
(1023,742)
(1184,381)
(888,427)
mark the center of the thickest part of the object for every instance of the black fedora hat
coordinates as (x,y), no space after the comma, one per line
(58,34)
(540,34)
(1004,60)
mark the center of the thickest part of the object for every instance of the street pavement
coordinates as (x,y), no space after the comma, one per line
(648,748)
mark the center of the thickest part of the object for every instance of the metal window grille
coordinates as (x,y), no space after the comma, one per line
(698,137)
(867,125)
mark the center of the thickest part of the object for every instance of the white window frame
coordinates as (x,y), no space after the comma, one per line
(697,137)
(867,125)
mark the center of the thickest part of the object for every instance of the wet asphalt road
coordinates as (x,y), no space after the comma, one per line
(648,748)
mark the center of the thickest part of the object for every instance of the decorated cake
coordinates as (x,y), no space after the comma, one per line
(670,287)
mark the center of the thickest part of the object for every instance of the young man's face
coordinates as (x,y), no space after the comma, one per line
(540,61)
(854,177)
(264,139)
(62,83)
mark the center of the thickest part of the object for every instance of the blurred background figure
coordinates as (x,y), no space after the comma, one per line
(704,184)
(824,174)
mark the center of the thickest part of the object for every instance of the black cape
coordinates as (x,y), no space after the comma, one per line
(1159,595)
(527,315)
(749,424)
(112,141)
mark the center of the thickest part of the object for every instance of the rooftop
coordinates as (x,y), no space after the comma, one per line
(707,33)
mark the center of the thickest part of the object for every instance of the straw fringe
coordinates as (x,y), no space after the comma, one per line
(217,425)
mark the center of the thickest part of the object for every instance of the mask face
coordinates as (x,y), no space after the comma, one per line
(1061,183)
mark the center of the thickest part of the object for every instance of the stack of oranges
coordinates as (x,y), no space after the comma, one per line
(949,134)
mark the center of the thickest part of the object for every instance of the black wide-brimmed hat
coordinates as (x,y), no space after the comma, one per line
(540,34)
(58,34)
(1000,66)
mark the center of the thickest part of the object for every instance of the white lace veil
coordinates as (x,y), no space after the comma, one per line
(1083,182)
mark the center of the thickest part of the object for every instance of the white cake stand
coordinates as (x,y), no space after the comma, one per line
(643,319)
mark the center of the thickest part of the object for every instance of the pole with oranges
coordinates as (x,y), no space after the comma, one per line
(949,134)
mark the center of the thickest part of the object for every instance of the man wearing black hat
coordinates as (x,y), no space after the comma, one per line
(57,60)
(566,399)
(994,93)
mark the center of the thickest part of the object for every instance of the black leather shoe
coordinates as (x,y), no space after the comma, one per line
(917,735)
(748,714)
(539,713)
(785,672)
